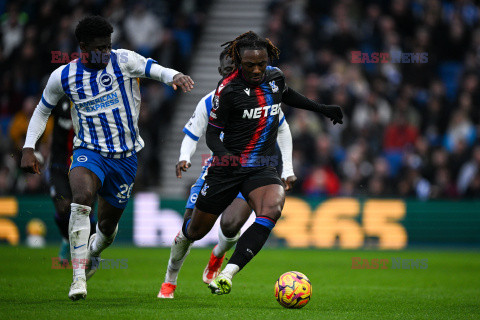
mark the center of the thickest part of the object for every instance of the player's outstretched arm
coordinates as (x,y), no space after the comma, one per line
(137,65)
(296,100)
(186,151)
(36,127)
(51,95)
(194,129)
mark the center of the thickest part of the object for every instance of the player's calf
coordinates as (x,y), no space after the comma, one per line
(102,241)
(178,253)
(79,230)
(229,229)
(199,225)
(249,244)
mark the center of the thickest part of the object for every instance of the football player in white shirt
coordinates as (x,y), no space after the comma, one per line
(104,90)
(235,216)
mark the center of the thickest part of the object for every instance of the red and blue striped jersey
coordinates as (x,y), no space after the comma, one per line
(249,115)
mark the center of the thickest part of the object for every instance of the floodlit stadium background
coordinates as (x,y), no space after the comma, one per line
(403,170)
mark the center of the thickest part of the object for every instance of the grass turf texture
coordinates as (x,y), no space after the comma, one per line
(448,289)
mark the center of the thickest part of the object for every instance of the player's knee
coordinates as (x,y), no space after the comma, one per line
(85,197)
(195,233)
(229,228)
(63,207)
(274,212)
(187,215)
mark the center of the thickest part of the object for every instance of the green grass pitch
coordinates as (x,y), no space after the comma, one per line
(448,289)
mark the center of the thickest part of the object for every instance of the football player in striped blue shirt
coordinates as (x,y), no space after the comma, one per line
(105,95)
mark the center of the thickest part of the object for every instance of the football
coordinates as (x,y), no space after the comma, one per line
(293,290)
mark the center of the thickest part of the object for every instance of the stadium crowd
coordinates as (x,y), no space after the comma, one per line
(30,33)
(411,129)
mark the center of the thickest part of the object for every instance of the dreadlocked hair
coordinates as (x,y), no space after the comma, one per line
(250,40)
(92,27)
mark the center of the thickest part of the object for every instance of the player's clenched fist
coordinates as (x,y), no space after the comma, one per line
(333,112)
(182,166)
(29,161)
(183,81)
(289,182)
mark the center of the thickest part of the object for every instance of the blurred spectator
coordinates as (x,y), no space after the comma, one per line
(370,118)
(459,130)
(399,134)
(142,29)
(376,187)
(168,52)
(12,24)
(115,13)
(473,189)
(434,121)
(469,172)
(19,124)
(321,182)
(443,186)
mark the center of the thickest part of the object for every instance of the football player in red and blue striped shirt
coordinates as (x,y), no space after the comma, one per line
(246,107)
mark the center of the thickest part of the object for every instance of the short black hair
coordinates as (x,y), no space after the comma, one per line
(93,27)
(250,40)
(223,54)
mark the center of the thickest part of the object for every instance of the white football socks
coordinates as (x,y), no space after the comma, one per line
(79,231)
(224,243)
(178,253)
(102,242)
(230,270)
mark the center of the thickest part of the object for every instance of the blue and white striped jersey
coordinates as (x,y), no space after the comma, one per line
(105,103)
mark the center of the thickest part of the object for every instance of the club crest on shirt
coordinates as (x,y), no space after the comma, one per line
(82,158)
(216,103)
(204,190)
(106,80)
(273,86)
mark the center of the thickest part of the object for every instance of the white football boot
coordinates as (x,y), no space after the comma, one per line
(78,289)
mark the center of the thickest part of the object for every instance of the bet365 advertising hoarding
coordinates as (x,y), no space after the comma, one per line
(151,221)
